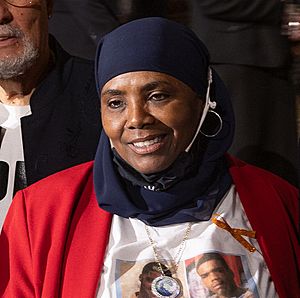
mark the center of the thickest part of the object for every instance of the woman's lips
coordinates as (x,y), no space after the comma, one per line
(148,145)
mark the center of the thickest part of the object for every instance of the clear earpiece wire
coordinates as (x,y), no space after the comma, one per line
(208,104)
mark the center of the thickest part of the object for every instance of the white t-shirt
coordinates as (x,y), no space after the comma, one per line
(12,167)
(129,250)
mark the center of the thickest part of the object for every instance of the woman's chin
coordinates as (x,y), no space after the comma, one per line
(150,167)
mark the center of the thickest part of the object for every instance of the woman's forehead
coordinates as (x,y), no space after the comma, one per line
(143,79)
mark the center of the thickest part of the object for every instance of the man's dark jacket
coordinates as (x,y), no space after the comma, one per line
(64,127)
(241,32)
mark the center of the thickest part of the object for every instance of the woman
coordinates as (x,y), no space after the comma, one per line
(167,191)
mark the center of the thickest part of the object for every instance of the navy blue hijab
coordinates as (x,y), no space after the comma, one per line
(190,189)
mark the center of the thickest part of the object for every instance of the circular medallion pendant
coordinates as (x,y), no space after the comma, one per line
(165,286)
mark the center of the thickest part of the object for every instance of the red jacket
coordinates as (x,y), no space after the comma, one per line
(54,239)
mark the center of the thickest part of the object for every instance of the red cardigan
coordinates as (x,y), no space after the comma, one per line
(54,239)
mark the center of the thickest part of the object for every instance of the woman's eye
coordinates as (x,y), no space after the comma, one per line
(115,104)
(159,96)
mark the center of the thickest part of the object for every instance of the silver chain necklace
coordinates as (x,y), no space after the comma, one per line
(167,286)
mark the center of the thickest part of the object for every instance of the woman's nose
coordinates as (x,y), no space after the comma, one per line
(138,116)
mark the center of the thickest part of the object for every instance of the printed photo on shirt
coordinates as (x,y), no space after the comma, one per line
(214,275)
(134,279)
(208,275)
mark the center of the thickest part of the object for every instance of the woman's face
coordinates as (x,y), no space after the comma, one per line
(150,118)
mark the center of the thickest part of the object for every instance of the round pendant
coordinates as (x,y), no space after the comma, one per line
(165,286)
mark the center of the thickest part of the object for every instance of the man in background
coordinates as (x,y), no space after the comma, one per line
(79,24)
(249,52)
(49,109)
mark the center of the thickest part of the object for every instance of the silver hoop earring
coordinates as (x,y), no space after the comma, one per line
(209,128)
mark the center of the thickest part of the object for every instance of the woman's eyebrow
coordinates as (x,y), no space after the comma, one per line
(154,84)
(146,87)
(112,92)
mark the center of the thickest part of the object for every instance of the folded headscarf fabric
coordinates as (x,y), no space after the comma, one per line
(190,189)
(153,44)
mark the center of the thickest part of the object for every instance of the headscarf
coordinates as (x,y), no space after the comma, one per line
(193,185)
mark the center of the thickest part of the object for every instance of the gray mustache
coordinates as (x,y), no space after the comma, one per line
(11,31)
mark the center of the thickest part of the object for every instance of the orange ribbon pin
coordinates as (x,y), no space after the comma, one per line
(236,233)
